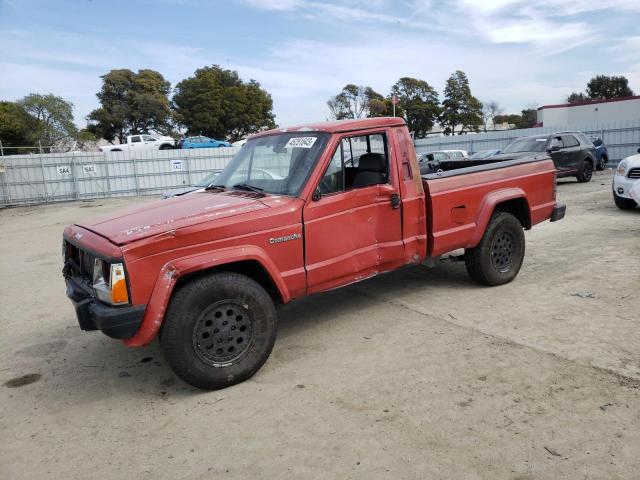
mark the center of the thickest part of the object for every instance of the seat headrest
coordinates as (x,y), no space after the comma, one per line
(372,162)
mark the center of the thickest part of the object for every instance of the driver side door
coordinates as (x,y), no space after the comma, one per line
(353,229)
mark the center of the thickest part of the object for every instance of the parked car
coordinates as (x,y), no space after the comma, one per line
(256,174)
(202,142)
(208,268)
(141,143)
(444,155)
(627,175)
(572,153)
(602,156)
(239,143)
(481,155)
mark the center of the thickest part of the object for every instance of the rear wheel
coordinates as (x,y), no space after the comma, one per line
(624,203)
(586,172)
(498,257)
(602,164)
(166,147)
(219,330)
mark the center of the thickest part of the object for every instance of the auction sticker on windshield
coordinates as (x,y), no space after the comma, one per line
(301,142)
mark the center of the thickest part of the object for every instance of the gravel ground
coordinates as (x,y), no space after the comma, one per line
(416,374)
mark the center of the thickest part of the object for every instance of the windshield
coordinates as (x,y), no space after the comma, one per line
(278,164)
(527,144)
(208,180)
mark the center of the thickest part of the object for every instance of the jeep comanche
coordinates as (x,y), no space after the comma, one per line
(346,201)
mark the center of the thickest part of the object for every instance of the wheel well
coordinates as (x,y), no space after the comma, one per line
(517,207)
(249,268)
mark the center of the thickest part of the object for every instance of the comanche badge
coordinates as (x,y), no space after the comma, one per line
(286,238)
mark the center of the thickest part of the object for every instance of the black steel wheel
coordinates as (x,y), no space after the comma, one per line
(223,333)
(497,259)
(502,250)
(219,330)
(602,164)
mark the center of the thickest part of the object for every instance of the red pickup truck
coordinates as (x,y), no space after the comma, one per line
(296,211)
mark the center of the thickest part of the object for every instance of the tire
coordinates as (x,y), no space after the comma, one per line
(219,330)
(624,203)
(498,257)
(603,163)
(166,147)
(586,172)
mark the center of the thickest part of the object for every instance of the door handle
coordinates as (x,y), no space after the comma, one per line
(395,200)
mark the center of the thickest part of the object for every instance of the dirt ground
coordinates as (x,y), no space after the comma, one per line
(416,374)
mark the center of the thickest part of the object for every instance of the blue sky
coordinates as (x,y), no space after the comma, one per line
(518,53)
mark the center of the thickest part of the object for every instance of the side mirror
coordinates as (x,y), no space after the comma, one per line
(316,195)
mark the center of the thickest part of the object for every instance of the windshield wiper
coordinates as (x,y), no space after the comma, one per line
(249,188)
(215,187)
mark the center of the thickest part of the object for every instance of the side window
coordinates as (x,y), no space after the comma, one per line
(358,161)
(570,141)
(135,139)
(440,156)
(556,142)
(148,138)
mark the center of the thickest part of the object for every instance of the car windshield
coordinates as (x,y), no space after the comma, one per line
(208,180)
(278,164)
(528,144)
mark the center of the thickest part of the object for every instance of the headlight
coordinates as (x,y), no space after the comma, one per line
(622,167)
(110,283)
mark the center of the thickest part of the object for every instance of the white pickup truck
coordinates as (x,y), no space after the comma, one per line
(141,143)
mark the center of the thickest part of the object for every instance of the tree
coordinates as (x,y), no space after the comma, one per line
(459,107)
(603,86)
(217,103)
(510,119)
(351,102)
(529,118)
(54,117)
(131,103)
(490,111)
(17,127)
(577,97)
(419,102)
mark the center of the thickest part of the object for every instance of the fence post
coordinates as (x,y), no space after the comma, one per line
(73,178)
(1,149)
(106,169)
(135,174)
(40,147)
(44,180)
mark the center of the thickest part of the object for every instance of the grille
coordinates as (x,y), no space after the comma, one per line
(634,173)
(80,261)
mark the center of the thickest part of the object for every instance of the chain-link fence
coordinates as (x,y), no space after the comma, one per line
(46,178)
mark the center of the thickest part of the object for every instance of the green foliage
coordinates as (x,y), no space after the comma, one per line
(419,102)
(215,102)
(460,107)
(17,127)
(528,119)
(512,119)
(131,103)
(577,97)
(603,86)
(54,117)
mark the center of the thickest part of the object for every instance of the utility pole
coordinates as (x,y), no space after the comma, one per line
(394,101)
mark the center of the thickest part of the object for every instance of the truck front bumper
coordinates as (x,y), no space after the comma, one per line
(558,212)
(115,322)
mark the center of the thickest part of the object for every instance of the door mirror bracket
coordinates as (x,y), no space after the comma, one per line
(316,195)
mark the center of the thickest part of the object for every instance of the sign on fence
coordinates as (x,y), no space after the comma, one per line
(64,170)
(176,165)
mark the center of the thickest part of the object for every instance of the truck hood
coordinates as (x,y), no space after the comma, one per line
(131,224)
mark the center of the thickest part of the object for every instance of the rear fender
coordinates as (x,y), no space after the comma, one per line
(172,271)
(488,206)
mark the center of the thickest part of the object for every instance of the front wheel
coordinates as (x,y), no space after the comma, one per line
(219,330)
(586,172)
(498,257)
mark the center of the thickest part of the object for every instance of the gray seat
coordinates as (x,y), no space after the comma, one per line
(372,169)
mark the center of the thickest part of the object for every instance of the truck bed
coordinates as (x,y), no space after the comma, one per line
(460,198)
